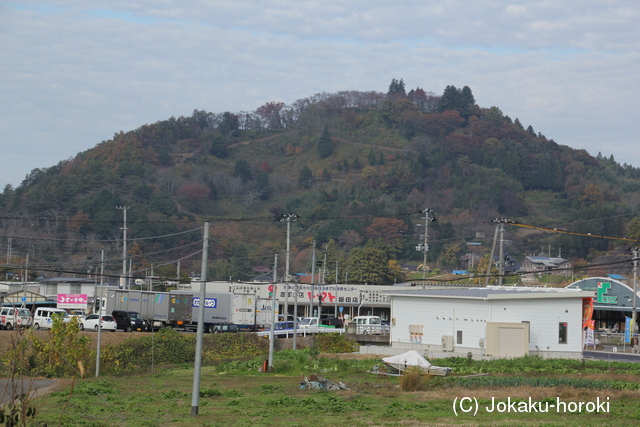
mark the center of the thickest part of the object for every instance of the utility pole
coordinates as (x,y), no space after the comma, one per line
(273,313)
(424,247)
(324,264)
(336,300)
(178,276)
(125,284)
(99,314)
(493,250)
(501,261)
(8,256)
(197,367)
(288,218)
(24,281)
(634,315)
(313,276)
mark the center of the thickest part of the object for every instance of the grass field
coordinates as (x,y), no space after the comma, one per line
(236,394)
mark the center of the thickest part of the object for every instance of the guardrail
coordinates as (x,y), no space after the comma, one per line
(302,332)
(352,328)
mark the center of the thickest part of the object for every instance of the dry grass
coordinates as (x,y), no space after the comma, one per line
(413,379)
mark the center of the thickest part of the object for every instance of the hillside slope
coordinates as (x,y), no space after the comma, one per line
(356,167)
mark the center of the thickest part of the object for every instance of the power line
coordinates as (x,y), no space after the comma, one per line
(556,230)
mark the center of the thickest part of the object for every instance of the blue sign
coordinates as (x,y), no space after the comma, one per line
(627,329)
(341,309)
(208,302)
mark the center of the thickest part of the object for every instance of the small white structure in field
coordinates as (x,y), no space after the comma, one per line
(491,321)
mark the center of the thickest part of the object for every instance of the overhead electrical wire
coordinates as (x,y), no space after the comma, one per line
(556,230)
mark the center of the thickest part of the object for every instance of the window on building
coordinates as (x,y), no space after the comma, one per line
(562,329)
(51,289)
(75,288)
(459,337)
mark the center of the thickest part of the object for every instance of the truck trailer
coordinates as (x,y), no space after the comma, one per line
(180,309)
(219,308)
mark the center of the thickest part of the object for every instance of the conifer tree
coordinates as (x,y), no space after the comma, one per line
(325,148)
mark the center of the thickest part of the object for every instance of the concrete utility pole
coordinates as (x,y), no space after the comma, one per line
(313,277)
(274,304)
(424,247)
(197,367)
(634,315)
(8,256)
(99,314)
(493,250)
(501,259)
(336,300)
(125,284)
(288,218)
(324,264)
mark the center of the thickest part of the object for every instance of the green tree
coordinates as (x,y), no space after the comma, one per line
(518,124)
(633,229)
(242,170)
(494,115)
(262,185)
(356,163)
(369,265)
(218,147)
(449,256)
(461,100)
(325,147)
(305,179)
(530,131)
(372,157)
(229,123)
(397,87)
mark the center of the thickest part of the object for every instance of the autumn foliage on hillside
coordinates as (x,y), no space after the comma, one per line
(357,167)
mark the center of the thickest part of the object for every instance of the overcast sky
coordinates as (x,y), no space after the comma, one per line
(73,73)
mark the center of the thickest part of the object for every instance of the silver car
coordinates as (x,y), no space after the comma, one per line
(90,322)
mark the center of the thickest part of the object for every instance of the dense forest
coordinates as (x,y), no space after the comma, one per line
(357,168)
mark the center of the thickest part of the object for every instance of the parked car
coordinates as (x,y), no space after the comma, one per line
(76,313)
(217,329)
(128,320)
(282,326)
(43,317)
(309,322)
(90,322)
(12,317)
(368,325)
(331,321)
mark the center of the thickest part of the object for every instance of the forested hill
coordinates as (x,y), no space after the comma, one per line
(357,167)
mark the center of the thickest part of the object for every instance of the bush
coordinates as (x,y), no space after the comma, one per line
(222,346)
(413,379)
(335,343)
(58,353)
(166,346)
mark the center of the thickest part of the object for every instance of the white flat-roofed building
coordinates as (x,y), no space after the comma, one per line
(493,321)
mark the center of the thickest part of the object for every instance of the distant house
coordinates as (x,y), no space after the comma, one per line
(537,265)
(511,265)
(261,269)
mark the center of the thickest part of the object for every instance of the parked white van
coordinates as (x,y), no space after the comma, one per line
(43,317)
(368,324)
(12,317)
